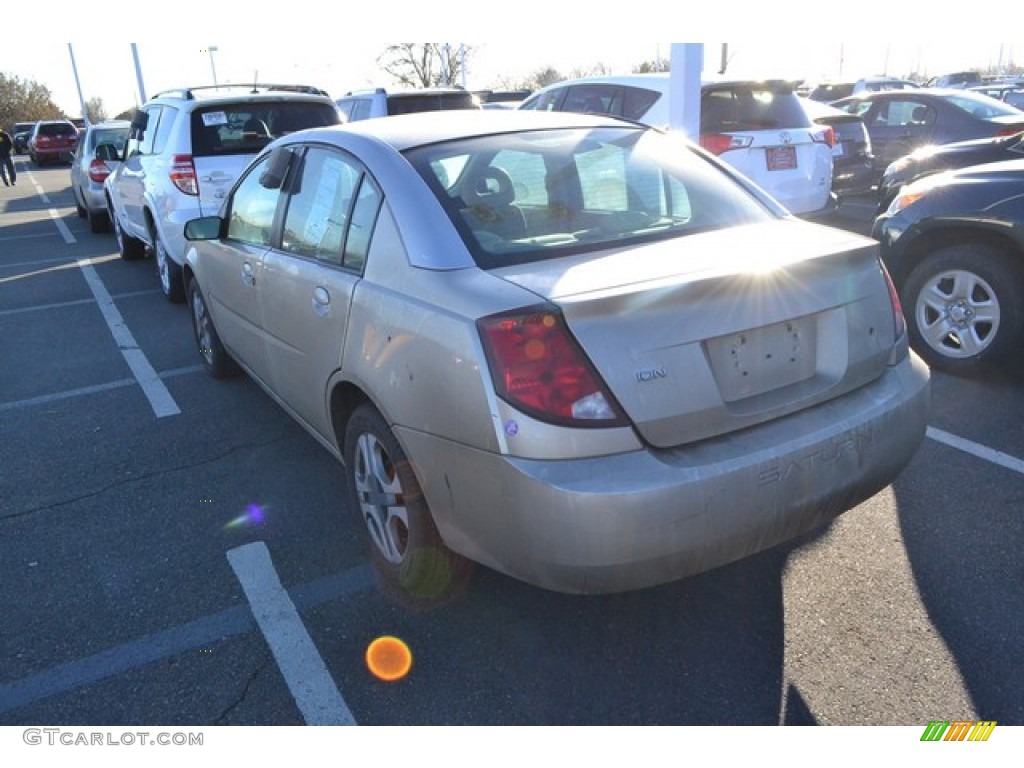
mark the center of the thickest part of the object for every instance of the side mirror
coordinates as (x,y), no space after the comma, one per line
(107,152)
(205,228)
(277,168)
(140,121)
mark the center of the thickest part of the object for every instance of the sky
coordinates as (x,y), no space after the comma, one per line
(107,70)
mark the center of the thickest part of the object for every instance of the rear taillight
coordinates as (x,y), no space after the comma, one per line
(98,171)
(826,135)
(538,367)
(717,143)
(1011,131)
(183,174)
(899,322)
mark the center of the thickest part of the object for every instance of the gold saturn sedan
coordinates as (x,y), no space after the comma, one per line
(579,351)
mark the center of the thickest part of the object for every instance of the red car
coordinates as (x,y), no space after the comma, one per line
(52,141)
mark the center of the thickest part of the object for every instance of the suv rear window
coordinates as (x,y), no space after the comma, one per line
(750,108)
(407,103)
(57,129)
(247,127)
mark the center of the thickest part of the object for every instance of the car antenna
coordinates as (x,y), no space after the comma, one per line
(255,80)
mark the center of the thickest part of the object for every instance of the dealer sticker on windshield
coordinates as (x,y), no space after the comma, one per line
(215,118)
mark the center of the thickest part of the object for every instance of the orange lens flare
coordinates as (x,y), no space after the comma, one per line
(388,658)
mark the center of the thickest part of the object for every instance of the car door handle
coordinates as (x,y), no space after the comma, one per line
(321,301)
(247,274)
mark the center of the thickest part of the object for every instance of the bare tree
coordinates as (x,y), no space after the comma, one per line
(95,112)
(424,65)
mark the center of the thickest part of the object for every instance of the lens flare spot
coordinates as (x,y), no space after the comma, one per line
(253,515)
(388,658)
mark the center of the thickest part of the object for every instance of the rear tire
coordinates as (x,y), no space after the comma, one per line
(172,281)
(965,308)
(98,222)
(386,498)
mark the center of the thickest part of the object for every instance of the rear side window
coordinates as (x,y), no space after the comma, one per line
(247,127)
(750,108)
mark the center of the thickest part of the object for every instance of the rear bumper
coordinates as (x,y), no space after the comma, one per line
(647,517)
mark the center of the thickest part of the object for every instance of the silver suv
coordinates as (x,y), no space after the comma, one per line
(184,152)
(377,102)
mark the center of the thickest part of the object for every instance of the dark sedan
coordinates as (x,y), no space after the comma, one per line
(901,121)
(946,157)
(954,245)
(852,160)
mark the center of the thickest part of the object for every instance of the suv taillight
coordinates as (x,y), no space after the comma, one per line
(537,367)
(717,143)
(825,135)
(183,174)
(98,171)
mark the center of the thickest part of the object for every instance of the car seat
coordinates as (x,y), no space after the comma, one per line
(489,196)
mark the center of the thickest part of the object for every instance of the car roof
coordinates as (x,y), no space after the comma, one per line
(658,79)
(413,130)
(233,94)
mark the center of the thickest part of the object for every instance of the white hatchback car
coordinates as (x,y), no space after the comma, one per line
(185,150)
(759,127)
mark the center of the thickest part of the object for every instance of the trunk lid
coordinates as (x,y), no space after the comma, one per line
(714,332)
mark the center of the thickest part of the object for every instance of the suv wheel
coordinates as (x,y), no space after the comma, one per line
(965,308)
(386,498)
(171,280)
(129,247)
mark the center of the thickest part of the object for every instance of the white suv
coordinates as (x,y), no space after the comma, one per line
(184,152)
(759,127)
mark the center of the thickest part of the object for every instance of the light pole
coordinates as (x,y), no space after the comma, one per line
(213,69)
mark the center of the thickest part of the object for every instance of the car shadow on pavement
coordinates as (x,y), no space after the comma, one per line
(964,534)
(707,650)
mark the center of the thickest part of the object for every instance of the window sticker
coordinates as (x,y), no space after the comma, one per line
(215,118)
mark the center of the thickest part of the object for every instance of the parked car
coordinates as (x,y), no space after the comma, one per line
(379,102)
(1012,94)
(99,152)
(943,157)
(852,160)
(964,79)
(185,149)
(52,141)
(80,124)
(833,91)
(577,350)
(901,121)
(954,243)
(501,99)
(759,128)
(20,135)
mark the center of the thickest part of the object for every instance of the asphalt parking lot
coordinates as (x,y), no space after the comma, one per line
(176,550)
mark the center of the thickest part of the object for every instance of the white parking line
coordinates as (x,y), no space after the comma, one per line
(976,449)
(158,395)
(311,685)
(54,214)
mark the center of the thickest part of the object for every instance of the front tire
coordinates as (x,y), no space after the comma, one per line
(965,308)
(218,363)
(172,281)
(386,497)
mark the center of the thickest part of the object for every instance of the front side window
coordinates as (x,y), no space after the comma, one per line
(320,206)
(543,194)
(252,208)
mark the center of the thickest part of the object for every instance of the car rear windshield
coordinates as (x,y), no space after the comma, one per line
(750,108)
(247,127)
(22,127)
(981,106)
(542,194)
(116,136)
(57,129)
(407,103)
